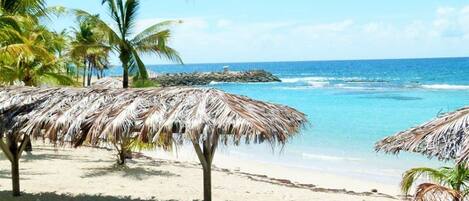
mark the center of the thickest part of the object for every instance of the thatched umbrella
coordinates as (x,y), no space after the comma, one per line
(107,83)
(445,138)
(202,116)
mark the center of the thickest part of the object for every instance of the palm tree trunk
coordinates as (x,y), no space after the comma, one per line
(90,73)
(84,73)
(124,56)
(125,81)
(77,74)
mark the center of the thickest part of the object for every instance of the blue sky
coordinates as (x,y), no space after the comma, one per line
(280,30)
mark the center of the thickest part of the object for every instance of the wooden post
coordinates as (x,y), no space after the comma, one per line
(205,156)
(120,153)
(15,176)
(13,152)
(207,171)
(121,157)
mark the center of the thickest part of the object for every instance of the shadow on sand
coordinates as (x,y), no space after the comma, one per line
(5,174)
(32,156)
(50,196)
(138,173)
(56,156)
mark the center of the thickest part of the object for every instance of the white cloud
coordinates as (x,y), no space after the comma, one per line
(452,22)
(444,11)
(223,23)
(327,27)
(186,23)
(201,39)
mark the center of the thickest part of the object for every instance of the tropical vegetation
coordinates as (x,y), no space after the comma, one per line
(446,181)
(443,138)
(127,44)
(33,54)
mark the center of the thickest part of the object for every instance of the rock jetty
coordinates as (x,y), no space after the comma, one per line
(188,79)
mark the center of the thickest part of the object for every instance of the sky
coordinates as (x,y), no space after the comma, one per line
(217,31)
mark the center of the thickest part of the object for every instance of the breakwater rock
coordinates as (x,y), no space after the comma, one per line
(188,79)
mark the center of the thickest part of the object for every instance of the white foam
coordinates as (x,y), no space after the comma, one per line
(305,79)
(315,84)
(446,87)
(328,158)
(215,82)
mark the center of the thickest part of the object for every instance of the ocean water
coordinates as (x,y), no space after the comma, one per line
(350,105)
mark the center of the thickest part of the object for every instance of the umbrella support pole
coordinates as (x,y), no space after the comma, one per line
(13,152)
(205,155)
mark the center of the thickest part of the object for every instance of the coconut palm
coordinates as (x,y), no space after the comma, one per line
(60,46)
(28,56)
(90,47)
(445,138)
(453,178)
(23,7)
(128,45)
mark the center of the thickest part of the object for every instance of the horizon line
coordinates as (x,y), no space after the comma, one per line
(319,60)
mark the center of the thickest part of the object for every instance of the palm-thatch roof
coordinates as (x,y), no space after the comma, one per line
(107,83)
(90,115)
(446,138)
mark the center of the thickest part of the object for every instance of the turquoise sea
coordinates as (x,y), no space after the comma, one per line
(351,105)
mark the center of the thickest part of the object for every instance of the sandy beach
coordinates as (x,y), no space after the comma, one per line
(91,174)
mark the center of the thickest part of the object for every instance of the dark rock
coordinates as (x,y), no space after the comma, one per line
(187,79)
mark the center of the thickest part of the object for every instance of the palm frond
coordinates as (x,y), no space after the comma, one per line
(410,176)
(56,78)
(154,29)
(114,13)
(142,72)
(435,192)
(156,43)
(12,21)
(130,16)
(112,36)
(24,7)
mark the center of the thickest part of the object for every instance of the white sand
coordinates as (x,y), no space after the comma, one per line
(90,174)
(299,175)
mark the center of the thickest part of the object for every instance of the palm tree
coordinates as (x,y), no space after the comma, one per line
(60,46)
(23,7)
(90,47)
(28,55)
(154,39)
(450,179)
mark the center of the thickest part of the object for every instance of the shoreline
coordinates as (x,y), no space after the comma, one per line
(66,174)
(322,180)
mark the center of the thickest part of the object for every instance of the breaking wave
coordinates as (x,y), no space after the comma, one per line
(328,158)
(305,79)
(445,87)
